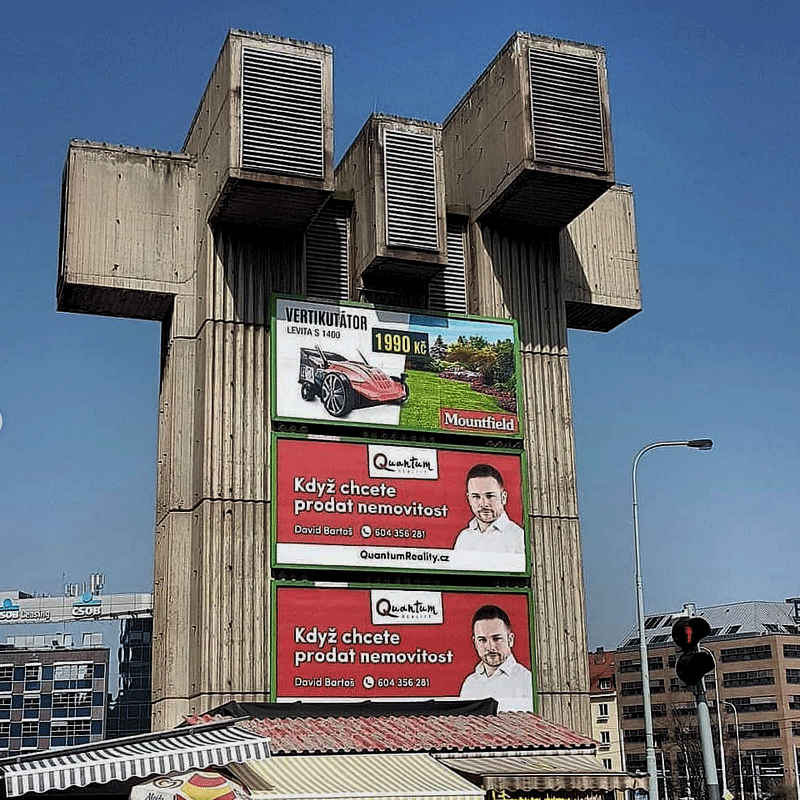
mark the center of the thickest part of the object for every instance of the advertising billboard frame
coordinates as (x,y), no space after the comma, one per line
(278,584)
(382,566)
(392,390)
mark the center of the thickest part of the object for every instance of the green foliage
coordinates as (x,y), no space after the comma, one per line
(495,363)
(428,392)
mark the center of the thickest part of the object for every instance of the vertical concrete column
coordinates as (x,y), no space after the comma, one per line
(518,276)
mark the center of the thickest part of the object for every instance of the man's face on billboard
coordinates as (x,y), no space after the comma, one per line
(486,499)
(493,642)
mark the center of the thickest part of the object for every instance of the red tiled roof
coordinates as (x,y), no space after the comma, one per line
(428,734)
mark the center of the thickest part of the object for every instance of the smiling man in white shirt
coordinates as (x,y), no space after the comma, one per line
(490,529)
(498,674)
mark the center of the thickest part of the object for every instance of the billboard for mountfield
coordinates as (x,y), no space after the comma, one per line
(385,506)
(385,643)
(360,365)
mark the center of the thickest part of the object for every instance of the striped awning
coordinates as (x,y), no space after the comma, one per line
(387,776)
(544,773)
(216,744)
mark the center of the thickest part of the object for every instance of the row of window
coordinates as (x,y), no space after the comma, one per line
(64,727)
(33,673)
(63,703)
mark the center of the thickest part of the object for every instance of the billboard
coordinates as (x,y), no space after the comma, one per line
(384,506)
(383,643)
(350,364)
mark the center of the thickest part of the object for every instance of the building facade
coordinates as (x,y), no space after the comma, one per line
(51,696)
(506,210)
(604,711)
(756,646)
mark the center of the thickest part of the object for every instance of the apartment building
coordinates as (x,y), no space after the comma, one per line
(603,703)
(756,685)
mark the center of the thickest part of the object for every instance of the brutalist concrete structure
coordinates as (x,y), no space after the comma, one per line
(506,209)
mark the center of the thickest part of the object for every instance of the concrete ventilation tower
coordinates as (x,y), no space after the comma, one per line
(508,209)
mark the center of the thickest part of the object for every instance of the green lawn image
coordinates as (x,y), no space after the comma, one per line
(427,393)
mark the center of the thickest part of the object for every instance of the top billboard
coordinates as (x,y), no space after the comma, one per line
(352,364)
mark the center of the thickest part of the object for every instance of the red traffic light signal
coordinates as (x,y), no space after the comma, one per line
(688,631)
(693,663)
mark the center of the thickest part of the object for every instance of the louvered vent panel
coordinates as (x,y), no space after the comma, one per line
(567,117)
(282,120)
(326,254)
(448,289)
(410,183)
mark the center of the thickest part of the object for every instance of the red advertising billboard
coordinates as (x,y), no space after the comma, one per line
(385,506)
(399,644)
(348,364)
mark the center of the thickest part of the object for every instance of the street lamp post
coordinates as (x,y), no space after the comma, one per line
(652,770)
(738,746)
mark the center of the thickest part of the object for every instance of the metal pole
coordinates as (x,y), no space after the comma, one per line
(753,775)
(719,725)
(652,770)
(739,748)
(664,774)
(796,772)
(707,741)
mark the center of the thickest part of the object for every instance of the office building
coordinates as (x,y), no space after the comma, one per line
(756,646)
(51,695)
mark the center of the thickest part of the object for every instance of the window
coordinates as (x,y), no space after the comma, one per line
(30,706)
(607,763)
(757,652)
(759,730)
(70,731)
(633,735)
(758,677)
(71,672)
(605,736)
(794,702)
(629,665)
(6,672)
(793,676)
(602,711)
(605,683)
(32,672)
(5,707)
(791,651)
(631,688)
(30,728)
(72,704)
(750,704)
(77,675)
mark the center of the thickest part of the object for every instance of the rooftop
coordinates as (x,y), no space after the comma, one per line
(730,621)
(506,732)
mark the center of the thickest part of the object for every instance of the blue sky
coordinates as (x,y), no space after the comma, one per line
(704,104)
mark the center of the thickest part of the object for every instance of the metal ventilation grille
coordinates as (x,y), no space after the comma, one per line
(327,244)
(448,289)
(567,117)
(410,183)
(282,120)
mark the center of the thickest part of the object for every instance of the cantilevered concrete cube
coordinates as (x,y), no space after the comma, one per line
(394,173)
(530,142)
(263,133)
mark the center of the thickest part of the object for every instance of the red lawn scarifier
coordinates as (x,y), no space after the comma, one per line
(343,385)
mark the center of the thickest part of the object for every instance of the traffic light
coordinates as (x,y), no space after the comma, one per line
(693,663)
